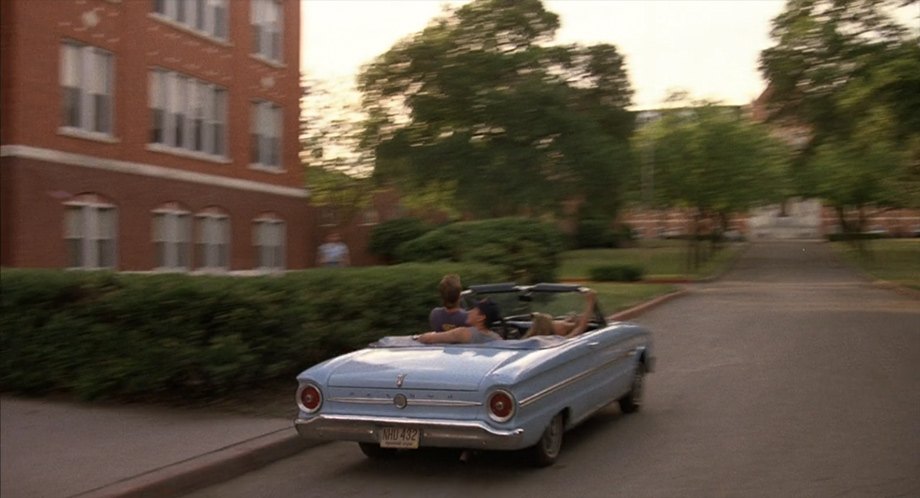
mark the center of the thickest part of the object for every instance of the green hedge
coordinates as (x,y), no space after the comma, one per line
(387,236)
(851,236)
(526,250)
(597,233)
(617,273)
(102,334)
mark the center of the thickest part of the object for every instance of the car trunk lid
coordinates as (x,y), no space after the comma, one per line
(448,368)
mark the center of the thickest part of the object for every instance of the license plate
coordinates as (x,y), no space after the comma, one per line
(399,437)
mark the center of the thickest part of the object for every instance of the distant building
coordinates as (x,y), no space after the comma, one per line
(151,135)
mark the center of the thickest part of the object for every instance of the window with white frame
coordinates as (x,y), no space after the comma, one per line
(188,113)
(172,236)
(86,82)
(208,17)
(269,242)
(213,242)
(266,134)
(267,20)
(90,232)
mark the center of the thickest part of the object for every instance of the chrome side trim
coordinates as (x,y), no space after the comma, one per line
(411,402)
(533,398)
(363,401)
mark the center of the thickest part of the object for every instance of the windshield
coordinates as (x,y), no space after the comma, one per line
(519,302)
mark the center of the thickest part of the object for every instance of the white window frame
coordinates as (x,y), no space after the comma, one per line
(212,247)
(89,72)
(172,228)
(265,135)
(209,18)
(176,101)
(269,237)
(86,227)
(267,18)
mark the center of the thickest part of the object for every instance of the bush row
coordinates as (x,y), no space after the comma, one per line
(597,233)
(526,250)
(121,335)
(850,236)
(617,273)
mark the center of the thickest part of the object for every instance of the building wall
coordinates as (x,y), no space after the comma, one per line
(43,164)
(141,42)
(41,188)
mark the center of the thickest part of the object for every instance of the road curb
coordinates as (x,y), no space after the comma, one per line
(646,306)
(206,470)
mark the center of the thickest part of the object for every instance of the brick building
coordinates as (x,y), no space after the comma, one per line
(151,135)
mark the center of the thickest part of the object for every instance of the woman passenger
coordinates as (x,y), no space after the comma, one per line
(543,324)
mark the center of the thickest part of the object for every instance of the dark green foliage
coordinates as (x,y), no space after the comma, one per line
(617,273)
(844,237)
(120,335)
(387,236)
(526,250)
(594,233)
(597,233)
(513,124)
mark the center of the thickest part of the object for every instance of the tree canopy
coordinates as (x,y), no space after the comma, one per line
(713,160)
(850,71)
(479,102)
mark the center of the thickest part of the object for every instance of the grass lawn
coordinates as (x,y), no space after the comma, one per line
(661,259)
(894,260)
(614,297)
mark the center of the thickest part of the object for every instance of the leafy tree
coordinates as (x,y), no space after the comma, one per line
(478,102)
(713,161)
(335,171)
(849,70)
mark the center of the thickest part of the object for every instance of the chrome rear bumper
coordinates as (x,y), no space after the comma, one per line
(434,433)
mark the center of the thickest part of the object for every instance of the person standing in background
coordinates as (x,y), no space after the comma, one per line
(333,253)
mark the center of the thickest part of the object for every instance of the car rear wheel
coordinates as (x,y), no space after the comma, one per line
(633,399)
(547,449)
(374,451)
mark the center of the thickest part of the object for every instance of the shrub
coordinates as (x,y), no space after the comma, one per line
(387,236)
(128,335)
(617,273)
(851,236)
(594,233)
(526,250)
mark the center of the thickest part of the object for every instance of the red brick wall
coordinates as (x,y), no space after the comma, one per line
(32,191)
(35,237)
(139,42)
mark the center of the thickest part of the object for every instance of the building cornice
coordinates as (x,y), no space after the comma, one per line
(149,170)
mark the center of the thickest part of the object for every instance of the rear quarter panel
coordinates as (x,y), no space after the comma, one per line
(577,378)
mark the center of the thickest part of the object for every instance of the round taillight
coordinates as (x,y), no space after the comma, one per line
(501,406)
(310,398)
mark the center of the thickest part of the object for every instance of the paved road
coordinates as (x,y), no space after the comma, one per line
(791,376)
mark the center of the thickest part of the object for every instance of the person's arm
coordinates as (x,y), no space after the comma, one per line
(582,324)
(458,335)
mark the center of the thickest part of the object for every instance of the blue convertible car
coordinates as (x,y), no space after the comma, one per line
(503,395)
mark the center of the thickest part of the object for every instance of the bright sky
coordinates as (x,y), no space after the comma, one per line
(706,47)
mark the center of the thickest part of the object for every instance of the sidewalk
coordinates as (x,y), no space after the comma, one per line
(51,449)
